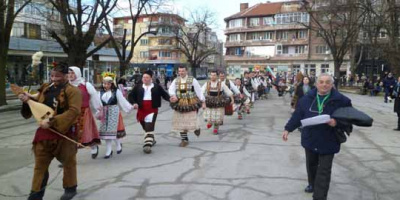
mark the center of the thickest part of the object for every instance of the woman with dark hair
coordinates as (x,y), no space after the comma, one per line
(301,90)
(112,126)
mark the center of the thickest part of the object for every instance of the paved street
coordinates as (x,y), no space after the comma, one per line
(248,160)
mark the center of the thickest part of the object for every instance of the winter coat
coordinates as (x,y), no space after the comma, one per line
(388,82)
(396,92)
(320,138)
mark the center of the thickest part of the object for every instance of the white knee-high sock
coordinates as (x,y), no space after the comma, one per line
(108,147)
(118,143)
(94,149)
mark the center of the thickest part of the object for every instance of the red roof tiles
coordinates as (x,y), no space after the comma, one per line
(261,9)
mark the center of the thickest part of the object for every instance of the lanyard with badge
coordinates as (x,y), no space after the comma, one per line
(320,104)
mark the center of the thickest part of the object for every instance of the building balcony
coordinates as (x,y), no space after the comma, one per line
(161,35)
(162,23)
(266,58)
(266,42)
(250,43)
(264,28)
(161,60)
(295,56)
(164,47)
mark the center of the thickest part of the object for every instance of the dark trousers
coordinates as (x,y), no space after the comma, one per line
(398,120)
(319,168)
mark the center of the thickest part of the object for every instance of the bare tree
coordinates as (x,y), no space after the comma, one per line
(8,13)
(124,47)
(369,45)
(193,38)
(80,22)
(338,24)
(391,51)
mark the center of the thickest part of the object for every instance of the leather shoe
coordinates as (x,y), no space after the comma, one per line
(184,143)
(94,155)
(109,156)
(120,151)
(197,132)
(309,189)
(69,193)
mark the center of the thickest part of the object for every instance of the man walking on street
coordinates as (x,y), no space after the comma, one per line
(66,101)
(186,99)
(319,141)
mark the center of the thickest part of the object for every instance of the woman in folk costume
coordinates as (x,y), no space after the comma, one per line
(147,97)
(112,126)
(88,134)
(186,99)
(242,101)
(214,92)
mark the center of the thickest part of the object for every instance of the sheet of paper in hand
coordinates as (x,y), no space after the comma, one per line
(320,119)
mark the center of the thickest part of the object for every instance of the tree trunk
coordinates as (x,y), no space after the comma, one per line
(194,73)
(337,74)
(77,58)
(3,65)
(123,67)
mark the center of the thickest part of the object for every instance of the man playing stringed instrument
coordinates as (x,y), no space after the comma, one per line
(66,101)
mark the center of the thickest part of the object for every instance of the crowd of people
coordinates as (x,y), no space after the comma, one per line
(72,98)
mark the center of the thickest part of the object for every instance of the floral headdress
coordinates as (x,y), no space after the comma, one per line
(108,76)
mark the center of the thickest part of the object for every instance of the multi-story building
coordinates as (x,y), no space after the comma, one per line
(159,52)
(272,35)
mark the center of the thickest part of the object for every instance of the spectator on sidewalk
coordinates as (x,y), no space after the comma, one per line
(396,94)
(388,84)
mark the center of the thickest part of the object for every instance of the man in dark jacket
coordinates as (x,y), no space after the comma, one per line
(319,141)
(388,84)
(147,97)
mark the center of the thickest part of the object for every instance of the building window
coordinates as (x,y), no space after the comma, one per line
(267,36)
(324,68)
(309,69)
(268,20)
(166,54)
(295,69)
(18,29)
(282,35)
(299,49)
(234,37)
(238,51)
(292,18)
(254,21)
(302,34)
(285,50)
(165,30)
(32,31)
(164,41)
(322,49)
(144,42)
(235,23)
(144,54)
(279,49)
(254,36)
